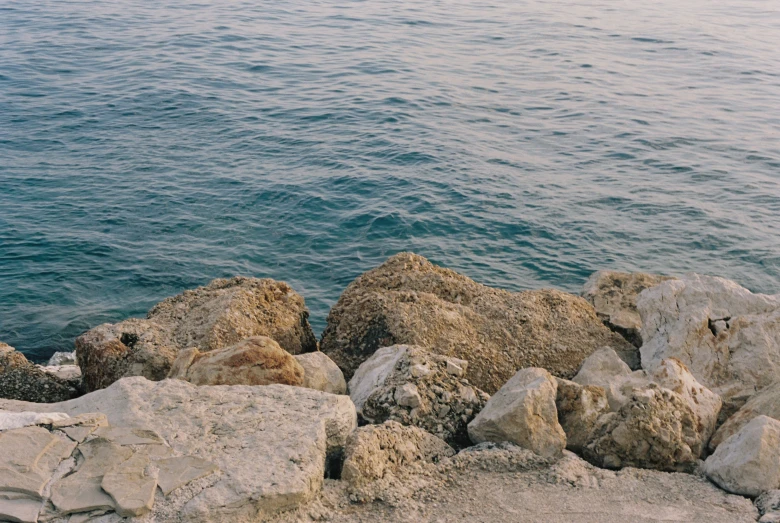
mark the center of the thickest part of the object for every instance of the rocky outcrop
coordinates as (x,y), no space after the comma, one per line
(655,429)
(727,336)
(271,444)
(522,412)
(22,380)
(258,360)
(613,294)
(766,403)
(381,452)
(321,373)
(748,462)
(579,409)
(408,300)
(415,387)
(216,316)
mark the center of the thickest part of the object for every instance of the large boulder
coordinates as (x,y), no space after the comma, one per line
(605,369)
(271,444)
(408,300)
(21,379)
(216,316)
(381,452)
(613,294)
(522,412)
(412,386)
(321,373)
(766,403)
(727,336)
(258,360)
(655,429)
(579,409)
(748,462)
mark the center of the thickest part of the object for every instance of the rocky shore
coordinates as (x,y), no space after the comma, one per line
(429,397)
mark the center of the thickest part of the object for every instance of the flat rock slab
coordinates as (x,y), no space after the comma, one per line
(24,510)
(129,436)
(270,443)
(28,459)
(175,472)
(131,486)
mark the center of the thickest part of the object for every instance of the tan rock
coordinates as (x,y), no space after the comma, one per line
(605,369)
(375,452)
(748,462)
(408,300)
(17,420)
(321,373)
(22,380)
(614,294)
(766,403)
(125,436)
(29,458)
(579,409)
(258,360)
(416,387)
(19,509)
(522,412)
(216,316)
(131,486)
(177,472)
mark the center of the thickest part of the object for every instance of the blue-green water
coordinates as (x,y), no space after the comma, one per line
(148,147)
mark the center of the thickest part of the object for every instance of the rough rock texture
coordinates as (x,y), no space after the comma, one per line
(258,360)
(17,420)
(416,387)
(507,484)
(522,412)
(655,429)
(270,443)
(748,462)
(613,295)
(380,452)
(218,315)
(22,380)
(766,403)
(321,373)
(579,409)
(408,300)
(605,369)
(727,336)
(61,359)
(768,505)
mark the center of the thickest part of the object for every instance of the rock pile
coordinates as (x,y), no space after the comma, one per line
(23,380)
(408,300)
(412,386)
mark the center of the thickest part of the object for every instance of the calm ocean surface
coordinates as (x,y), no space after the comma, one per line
(148,147)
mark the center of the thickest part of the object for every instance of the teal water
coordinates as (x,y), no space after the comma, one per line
(148,147)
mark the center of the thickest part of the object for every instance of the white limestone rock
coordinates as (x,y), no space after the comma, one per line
(727,336)
(522,412)
(766,402)
(605,369)
(270,443)
(321,373)
(61,359)
(15,420)
(748,463)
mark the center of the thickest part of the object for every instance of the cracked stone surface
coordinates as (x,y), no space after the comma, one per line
(28,459)
(131,486)
(175,472)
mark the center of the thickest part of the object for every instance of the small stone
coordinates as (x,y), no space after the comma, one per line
(177,472)
(408,396)
(456,367)
(418,371)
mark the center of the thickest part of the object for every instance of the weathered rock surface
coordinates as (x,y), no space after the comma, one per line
(258,360)
(28,460)
(748,462)
(522,412)
(59,359)
(766,403)
(613,295)
(579,409)
(768,505)
(605,369)
(321,373)
(727,336)
(176,472)
(21,379)
(17,420)
(131,485)
(270,443)
(381,452)
(415,387)
(655,429)
(216,316)
(408,300)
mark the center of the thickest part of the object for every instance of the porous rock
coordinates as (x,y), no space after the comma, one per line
(408,300)
(579,409)
(21,379)
(766,402)
(215,316)
(522,412)
(290,431)
(768,505)
(375,452)
(258,360)
(613,294)
(748,462)
(727,336)
(321,373)
(415,387)
(655,428)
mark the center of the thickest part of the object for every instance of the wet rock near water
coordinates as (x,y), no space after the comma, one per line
(23,380)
